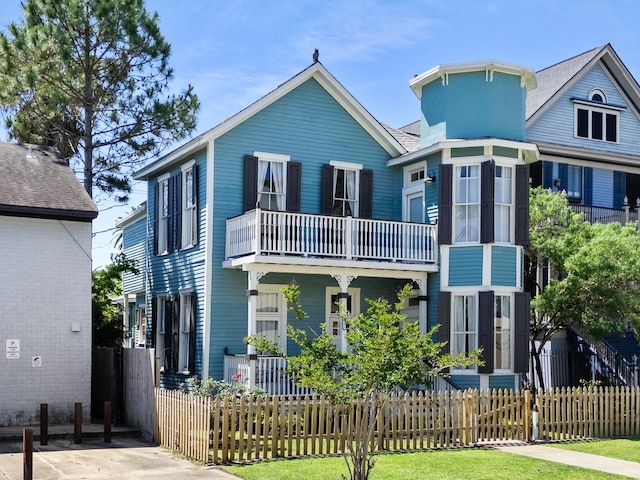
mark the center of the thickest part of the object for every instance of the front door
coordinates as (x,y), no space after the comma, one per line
(335,326)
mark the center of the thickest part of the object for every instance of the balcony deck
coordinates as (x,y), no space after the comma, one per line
(323,239)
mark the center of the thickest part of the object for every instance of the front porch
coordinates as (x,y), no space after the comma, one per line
(265,372)
(328,239)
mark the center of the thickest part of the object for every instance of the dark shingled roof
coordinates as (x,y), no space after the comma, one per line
(36,182)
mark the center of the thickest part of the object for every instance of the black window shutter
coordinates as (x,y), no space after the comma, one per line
(250,182)
(547,174)
(294,177)
(192,335)
(156,215)
(366,194)
(445,205)
(486,335)
(195,202)
(563,175)
(521,332)
(487,191)
(177,218)
(588,186)
(444,319)
(327,189)
(175,332)
(619,189)
(522,205)
(151,338)
(170,216)
(535,172)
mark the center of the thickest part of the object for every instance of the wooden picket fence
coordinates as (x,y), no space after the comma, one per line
(244,429)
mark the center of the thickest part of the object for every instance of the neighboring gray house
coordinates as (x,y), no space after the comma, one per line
(45,272)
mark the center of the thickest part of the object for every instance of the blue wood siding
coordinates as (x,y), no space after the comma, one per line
(602,188)
(503,266)
(465,266)
(311,127)
(465,382)
(502,381)
(181,268)
(556,125)
(471,107)
(433,288)
(134,237)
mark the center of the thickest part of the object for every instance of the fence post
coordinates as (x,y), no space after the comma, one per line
(27,454)
(44,424)
(107,421)
(527,417)
(634,371)
(77,430)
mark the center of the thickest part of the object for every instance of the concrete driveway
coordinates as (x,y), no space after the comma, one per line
(124,458)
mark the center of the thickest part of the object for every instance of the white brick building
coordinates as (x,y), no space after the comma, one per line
(45,272)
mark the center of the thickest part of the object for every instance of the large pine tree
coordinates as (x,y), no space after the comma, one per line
(91,77)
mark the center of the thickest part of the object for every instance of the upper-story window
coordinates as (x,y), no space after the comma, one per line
(345,192)
(574,183)
(595,118)
(503,203)
(163,214)
(272,181)
(189,206)
(467,203)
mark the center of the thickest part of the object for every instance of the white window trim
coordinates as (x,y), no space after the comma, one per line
(346,165)
(354,167)
(183,346)
(274,157)
(163,222)
(597,107)
(281,315)
(189,212)
(511,331)
(355,307)
(479,203)
(597,91)
(473,370)
(512,209)
(411,169)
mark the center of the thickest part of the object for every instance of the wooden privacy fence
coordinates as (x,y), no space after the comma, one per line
(241,429)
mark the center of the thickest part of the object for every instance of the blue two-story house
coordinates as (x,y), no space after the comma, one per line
(305,186)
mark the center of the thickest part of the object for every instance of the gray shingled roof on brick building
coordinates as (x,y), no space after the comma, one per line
(36,182)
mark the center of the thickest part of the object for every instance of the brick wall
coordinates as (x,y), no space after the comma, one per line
(45,274)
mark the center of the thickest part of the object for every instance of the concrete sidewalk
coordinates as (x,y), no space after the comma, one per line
(124,458)
(577,459)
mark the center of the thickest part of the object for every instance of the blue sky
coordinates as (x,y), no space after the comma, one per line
(234,52)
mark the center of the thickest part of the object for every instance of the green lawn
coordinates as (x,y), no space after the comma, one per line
(624,449)
(433,465)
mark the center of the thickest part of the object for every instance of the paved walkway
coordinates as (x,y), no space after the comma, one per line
(577,459)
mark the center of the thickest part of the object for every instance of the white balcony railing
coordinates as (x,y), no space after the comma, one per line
(605,215)
(265,232)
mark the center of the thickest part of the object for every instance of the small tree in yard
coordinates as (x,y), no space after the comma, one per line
(385,353)
(594,272)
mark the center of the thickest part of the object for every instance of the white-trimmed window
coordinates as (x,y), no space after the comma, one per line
(161,350)
(271,315)
(163,214)
(141,326)
(503,328)
(187,311)
(595,118)
(574,183)
(346,187)
(189,205)
(413,193)
(465,324)
(272,181)
(467,204)
(503,204)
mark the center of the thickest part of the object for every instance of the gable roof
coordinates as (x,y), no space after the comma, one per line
(36,182)
(316,71)
(553,81)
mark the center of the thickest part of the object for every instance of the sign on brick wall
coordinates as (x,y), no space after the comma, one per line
(13,349)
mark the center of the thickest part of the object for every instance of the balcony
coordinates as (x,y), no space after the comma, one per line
(605,215)
(324,237)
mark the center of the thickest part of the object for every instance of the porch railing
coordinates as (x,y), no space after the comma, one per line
(349,238)
(265,372)
(605,215)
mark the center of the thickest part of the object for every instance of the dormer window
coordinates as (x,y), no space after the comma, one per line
(596,119)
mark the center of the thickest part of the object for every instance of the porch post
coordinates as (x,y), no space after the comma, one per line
(343,282)
(423,298)
(253,278)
